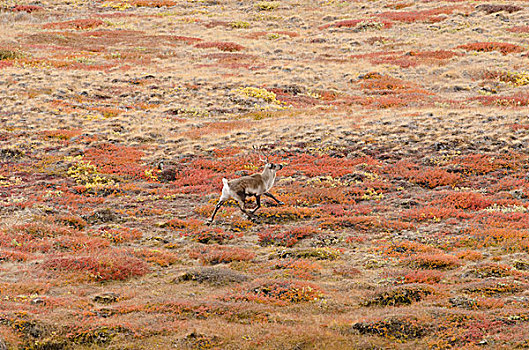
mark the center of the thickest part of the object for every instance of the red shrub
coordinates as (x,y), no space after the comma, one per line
(430,177)
(504,48)
(408,248)
(434,177)
(71,220)
(296,268)
(483,163)
(278,292)
(118,234)
(61,134)
(516,100)
(102,266)
(435,261)
(159,257)
(119,160)
(73,244)
(335,167)
(430,16)
(13,255)
(274,236)
(471,255)
(463,200)
(221,254)
(434,213)
(179,224)
(519,29)
(423,276)
(384,84)
(223,46)
(27,8)
(409,59)
(88,23)
(187,39)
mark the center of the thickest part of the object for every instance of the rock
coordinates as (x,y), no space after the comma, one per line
(106,298)
(102,216)
(463,302)
(37,301)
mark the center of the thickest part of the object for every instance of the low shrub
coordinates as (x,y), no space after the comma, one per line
(160,257)
(223,46)
(220,254)
(463,200)
(102,266)
(87,23)
(325,253)
(504,48)
(296,268)
(434,261)
(492,287)
(274,236)
(490,8)
(423,276)
(27,8)
(212,275)
(487,270)
(394,328)
(210,235)
(402,295)
(277,291)
(118,234)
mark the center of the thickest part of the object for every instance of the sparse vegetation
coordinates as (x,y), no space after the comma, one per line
(401,127)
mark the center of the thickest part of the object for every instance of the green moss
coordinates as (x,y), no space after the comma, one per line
(9,54)
(239,25)
(267,5)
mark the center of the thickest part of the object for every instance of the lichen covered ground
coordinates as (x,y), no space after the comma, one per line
(403,128)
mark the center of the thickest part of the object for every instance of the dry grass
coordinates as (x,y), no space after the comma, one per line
(402,128)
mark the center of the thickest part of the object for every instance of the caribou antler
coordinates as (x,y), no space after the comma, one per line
(262,156)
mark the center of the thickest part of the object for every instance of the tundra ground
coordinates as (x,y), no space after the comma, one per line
(403,128)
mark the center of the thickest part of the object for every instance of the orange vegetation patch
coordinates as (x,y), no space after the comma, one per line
(119,160)
(216,254)
(87,23)
(215,128)
(276,291)
(429,177)
(520,99)
(434,261)
(380,84)
(61,134)
(27,8)
(484,163)
(463,200)
(409,59)
(430,16)
(274,236)
(519,29)
(223,46)
(504,48)
(103,266)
